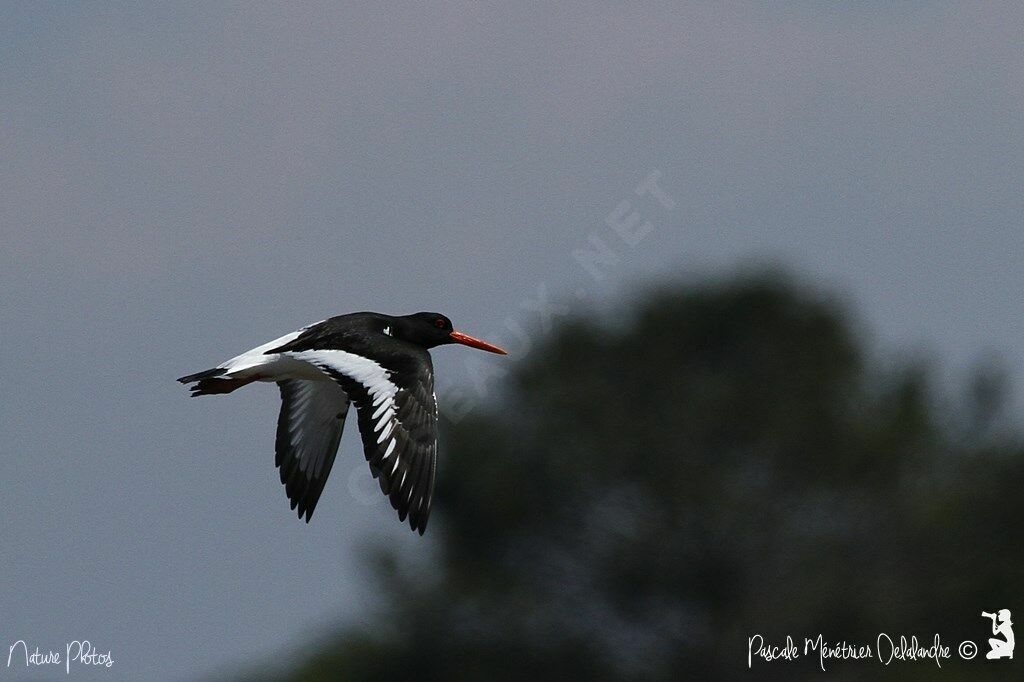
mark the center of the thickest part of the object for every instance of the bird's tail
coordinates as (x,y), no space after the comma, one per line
(198,376)
(211,382)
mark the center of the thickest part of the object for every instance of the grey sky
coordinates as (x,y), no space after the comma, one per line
(180,183)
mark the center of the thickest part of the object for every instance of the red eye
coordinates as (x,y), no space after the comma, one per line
(439,323)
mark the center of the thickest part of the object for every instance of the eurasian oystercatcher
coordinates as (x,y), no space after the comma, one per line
(378,362)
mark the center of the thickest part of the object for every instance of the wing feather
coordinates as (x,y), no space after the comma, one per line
(397,414)
(309,430)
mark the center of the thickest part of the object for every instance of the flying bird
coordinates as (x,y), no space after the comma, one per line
(377,362)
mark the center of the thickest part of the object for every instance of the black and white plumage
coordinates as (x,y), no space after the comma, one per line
(378,363)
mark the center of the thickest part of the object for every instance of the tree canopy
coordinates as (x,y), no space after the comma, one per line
(729,459)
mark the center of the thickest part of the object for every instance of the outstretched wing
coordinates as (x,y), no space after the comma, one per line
(397,421)
(308,432)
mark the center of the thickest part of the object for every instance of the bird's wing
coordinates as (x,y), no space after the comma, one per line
(397,421)
(308,432)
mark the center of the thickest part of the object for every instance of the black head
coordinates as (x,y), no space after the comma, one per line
(434,329)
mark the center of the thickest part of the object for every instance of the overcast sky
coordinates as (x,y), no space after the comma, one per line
(180,183)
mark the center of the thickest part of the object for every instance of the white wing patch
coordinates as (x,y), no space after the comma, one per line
(411,446)
(374,378)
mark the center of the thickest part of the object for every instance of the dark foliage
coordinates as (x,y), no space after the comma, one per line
(729,461)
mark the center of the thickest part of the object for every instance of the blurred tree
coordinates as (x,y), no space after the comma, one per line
(725,462)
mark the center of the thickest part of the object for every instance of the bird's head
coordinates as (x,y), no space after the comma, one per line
(434,329)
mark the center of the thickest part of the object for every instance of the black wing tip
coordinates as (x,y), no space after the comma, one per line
(405,510)
(410,499)
(302,497)
(302,507)
(418,521)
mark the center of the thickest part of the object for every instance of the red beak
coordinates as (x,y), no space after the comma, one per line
(467,340)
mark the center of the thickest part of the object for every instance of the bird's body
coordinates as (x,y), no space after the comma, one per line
(379,363)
